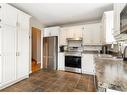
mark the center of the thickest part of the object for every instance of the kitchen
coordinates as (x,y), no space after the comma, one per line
(95,48)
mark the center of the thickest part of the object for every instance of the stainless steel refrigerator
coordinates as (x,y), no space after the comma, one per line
(50,53)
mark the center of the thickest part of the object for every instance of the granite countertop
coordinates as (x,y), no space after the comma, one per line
(111,73)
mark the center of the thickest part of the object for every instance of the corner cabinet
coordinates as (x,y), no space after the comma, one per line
(92,34)
(14,45)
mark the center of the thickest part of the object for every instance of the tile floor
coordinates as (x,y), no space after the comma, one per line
(54,81)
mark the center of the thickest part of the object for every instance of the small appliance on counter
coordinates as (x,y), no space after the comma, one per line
(63,48)
(125,54)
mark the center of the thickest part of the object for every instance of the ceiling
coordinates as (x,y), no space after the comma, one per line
(51,14)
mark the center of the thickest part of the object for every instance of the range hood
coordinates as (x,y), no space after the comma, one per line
(74,39)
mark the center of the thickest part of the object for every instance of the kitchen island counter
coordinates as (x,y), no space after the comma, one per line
(111,73)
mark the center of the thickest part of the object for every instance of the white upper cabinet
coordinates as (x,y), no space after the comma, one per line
(23,20)
(92,34)
(70,32)
(63,36)
(8,15)
(74,32)
(51,31)
(107,27)
(118,7)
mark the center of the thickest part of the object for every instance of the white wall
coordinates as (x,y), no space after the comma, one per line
(35,23)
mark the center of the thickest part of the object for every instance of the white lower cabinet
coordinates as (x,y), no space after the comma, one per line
(61,61)
(88,64)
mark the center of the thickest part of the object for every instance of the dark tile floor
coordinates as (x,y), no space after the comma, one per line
(54,81)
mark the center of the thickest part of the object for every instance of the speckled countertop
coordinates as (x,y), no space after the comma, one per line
(111,73)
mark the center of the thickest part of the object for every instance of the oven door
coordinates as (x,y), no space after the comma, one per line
(73,61)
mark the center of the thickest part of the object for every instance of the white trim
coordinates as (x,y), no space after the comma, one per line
(42,48)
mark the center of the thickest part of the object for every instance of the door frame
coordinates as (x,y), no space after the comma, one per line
(30,50)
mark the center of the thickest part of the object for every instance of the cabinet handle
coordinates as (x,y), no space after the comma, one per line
(0,20)
(0,7)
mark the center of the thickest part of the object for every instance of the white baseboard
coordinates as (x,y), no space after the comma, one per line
(11,83)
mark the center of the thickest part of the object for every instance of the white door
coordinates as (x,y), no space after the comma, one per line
(9,54)
(23,46)
(8,15)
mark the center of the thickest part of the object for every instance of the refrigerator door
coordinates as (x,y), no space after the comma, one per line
(50,49)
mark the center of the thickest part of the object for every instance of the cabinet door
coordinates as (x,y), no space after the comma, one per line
(91,35)
(23,20)
(0,54)
(63,36)
(77,31)
(23,49)
(61,61)
(87,35)
(51,31)
(47,32)
(8,54)
(8,15)
(88,65)
(54,31)
(96,34)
